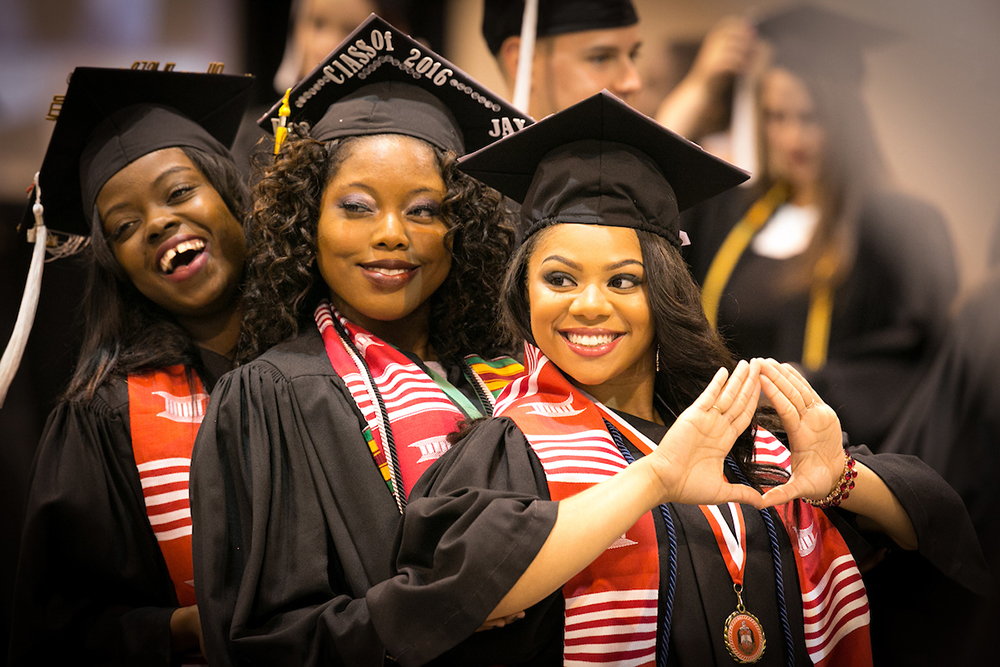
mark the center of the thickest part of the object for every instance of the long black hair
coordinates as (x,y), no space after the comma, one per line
(283,284)
(690,351)
(125,332)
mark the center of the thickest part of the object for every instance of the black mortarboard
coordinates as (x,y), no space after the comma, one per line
(602,162)
(502,18)
(811,41)
(111,117)
(380,81)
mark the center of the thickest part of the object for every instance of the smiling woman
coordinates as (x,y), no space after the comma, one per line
(105,568)
(373,273)
(633,444)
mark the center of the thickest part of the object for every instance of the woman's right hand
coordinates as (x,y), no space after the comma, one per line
(689,462)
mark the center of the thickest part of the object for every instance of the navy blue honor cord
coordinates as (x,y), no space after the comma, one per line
(668,603)
(668,610)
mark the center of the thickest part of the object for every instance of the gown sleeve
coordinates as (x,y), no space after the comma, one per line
(474,523)
(292,523)
(91,586)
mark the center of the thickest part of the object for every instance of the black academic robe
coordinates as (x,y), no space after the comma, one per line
(953,424)
(497,463)
(293,523)
(888,315)
(92,586)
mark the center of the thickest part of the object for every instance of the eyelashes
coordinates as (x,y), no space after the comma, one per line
(621,281)
(356,206)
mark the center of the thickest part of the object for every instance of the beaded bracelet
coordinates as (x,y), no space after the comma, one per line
(842,489)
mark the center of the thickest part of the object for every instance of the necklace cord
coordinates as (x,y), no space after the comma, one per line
(668,603)
(779,580)
(387,430)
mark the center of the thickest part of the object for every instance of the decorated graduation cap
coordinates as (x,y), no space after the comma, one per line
(107,119)
(502,18)
(381,81)
(602,162)
(811,40)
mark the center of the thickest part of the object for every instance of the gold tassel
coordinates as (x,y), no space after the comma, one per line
(281,131)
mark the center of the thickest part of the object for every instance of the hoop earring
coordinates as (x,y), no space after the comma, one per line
(657,358)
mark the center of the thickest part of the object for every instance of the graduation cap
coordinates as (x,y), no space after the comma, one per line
(108,119)
(818,45)
(601,162)
(111,117)
(502,18)
(810,40)
(381,81)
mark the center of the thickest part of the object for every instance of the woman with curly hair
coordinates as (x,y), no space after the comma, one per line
(138,164)
(374,270)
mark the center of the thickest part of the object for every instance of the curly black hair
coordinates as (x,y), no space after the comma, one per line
(690,351)
(283,284)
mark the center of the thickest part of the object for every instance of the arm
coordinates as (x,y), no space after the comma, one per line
(817,458)
(686,467)
(91,582)
(728,50)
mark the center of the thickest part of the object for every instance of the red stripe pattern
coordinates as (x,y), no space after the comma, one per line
(834,601)
(164,416)
(420,413)
(611,606)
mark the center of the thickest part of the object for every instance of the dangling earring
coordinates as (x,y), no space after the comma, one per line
(657,358)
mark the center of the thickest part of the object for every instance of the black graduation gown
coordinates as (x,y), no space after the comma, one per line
(953,424)
(293,524)
(888,315)
(92,586)
(496,462)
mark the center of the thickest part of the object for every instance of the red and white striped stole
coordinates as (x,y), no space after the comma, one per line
(611,606)
(834,601)
(164,415)
(420,413)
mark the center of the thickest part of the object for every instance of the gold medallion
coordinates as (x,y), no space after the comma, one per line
(744,636)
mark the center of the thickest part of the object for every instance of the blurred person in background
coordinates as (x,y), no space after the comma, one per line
(952,422)
(138,163)
(582,47)
(819,262)
(315,28)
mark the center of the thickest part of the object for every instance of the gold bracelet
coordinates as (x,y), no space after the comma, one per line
(842,489)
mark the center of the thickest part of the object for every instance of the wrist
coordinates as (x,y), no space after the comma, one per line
(842,487)
(659,488)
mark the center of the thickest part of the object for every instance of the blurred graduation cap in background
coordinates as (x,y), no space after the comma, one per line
(815,43)
(602,162)
(379,80)
(812,41)
(107,119)
(503,18)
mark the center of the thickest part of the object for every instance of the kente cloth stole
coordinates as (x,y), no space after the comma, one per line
(834,601)
(420,413)
(494,374)
(611,606)
(164,415)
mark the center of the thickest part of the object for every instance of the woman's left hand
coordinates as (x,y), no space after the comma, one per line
(814,435)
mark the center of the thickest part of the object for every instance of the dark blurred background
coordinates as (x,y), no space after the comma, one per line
(933,94)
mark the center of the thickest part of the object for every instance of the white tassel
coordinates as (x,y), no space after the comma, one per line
(29,302)
(744,126)
(525,56)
